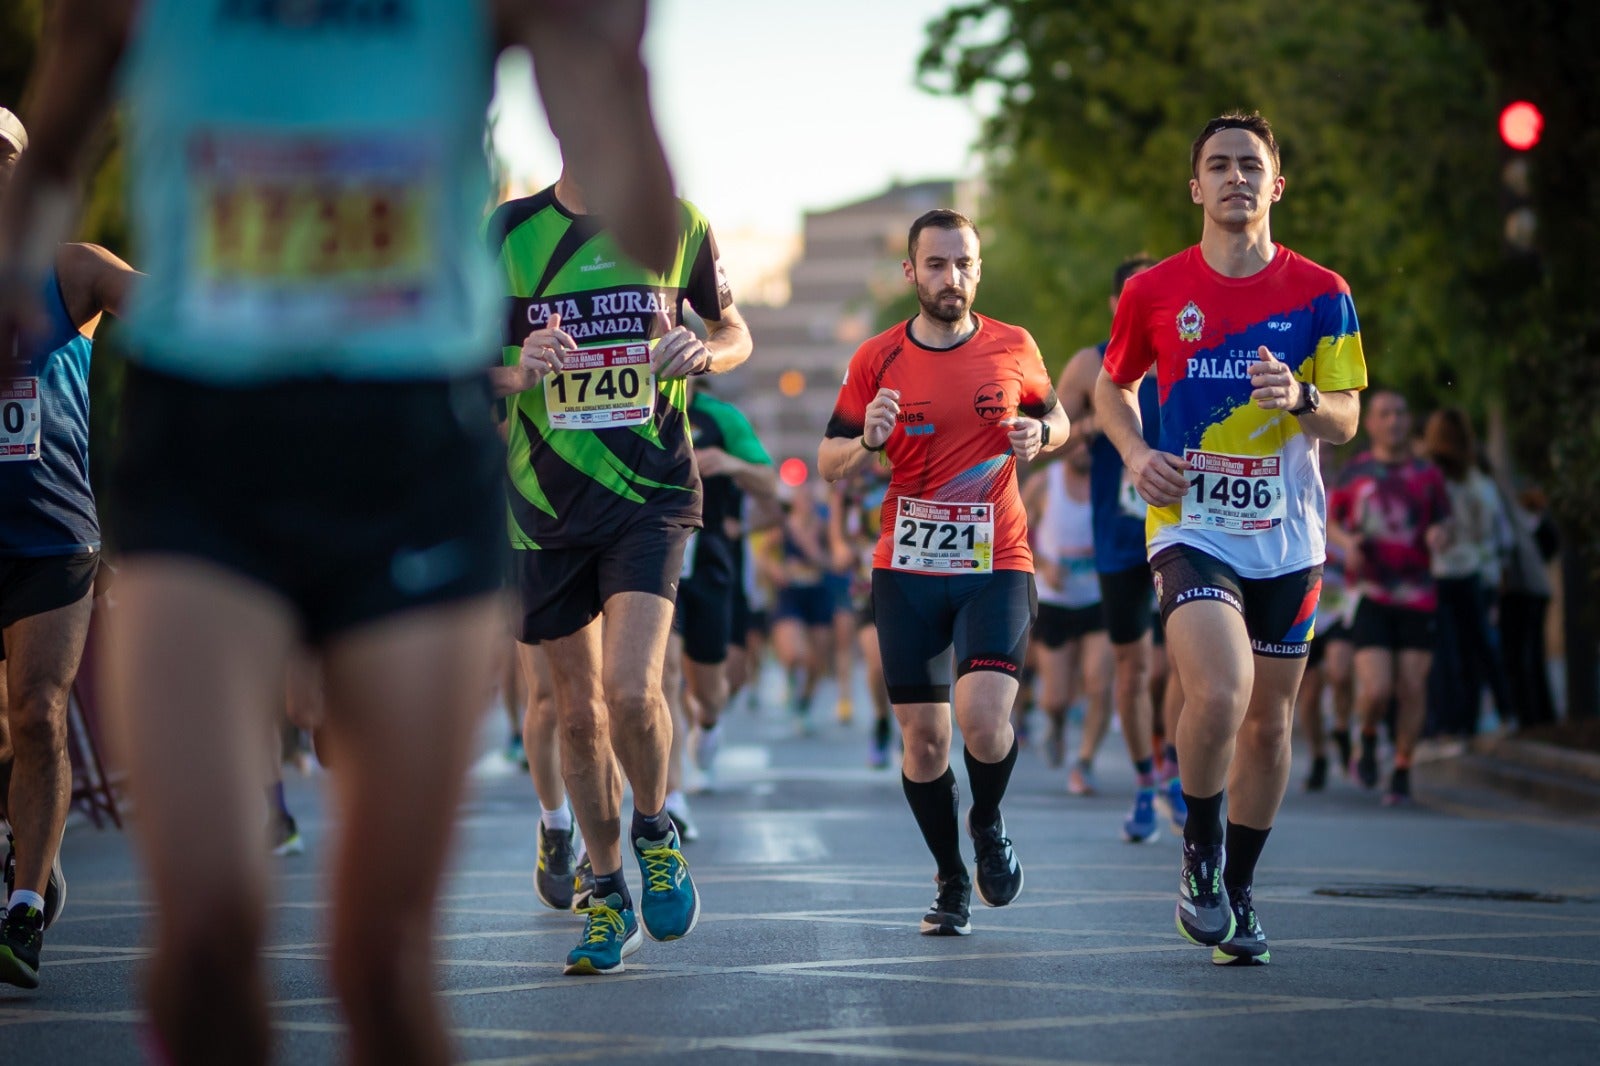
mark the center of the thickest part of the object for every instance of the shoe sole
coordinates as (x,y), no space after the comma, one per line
(13,971)
(585,966)
(945,928)
(1220,957)
(1227,934)
(293,846)
(983,897)
(1155,835)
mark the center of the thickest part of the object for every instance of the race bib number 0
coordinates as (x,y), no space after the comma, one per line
(19,420)
(943,538)
(602,388)
(340,230)
(1233,493)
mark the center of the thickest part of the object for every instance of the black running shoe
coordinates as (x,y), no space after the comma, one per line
(1248,944)
(553,877)
(1367,762)
(1204,916)
(1341,740)
(999,873)
(1317,779)
(55,892)
(21,934)
(950,914)
(1399,794)
(583,885)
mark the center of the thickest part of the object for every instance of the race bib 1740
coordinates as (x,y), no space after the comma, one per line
(20,422)
(943,538)
(1233,493)
(602,388)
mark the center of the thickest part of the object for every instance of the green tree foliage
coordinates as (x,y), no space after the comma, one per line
(1385,123)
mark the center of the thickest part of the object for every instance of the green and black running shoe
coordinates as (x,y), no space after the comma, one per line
(1248,944)
(1204,916)
(21,935)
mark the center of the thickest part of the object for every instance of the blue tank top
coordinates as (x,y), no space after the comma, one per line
(308,185)
(46,505)
(1118,511)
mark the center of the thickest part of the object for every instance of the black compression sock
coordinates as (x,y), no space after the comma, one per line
(1204,824)
(935,804)
(880,731)
(657,826)
(989,781)
(1244,850)
(612,885)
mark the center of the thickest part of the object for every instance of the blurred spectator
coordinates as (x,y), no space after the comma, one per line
(1465,658)
(1524,601)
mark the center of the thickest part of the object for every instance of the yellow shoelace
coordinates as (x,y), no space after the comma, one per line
(602,923)
(658,867)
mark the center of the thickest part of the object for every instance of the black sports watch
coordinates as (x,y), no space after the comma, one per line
(1310,400)
(1044,433)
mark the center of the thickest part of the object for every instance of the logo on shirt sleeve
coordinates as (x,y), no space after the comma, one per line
(1191,323)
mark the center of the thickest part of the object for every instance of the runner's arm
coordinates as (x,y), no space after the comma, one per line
(1076,393)
(728,343)
(595,90)
(94,280)
(1157,475)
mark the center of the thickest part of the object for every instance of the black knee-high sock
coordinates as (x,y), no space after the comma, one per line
(1244,850)
(989,781)
(1204,824)
(934,804)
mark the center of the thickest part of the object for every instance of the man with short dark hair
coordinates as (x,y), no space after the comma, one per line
(954,399)
(1257,353)
(1391,514)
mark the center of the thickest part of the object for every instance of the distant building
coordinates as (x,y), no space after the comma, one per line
(849,267)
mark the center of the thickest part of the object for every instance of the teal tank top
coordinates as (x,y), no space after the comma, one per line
(308,183)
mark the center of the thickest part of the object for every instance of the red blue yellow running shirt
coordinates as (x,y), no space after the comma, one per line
(1256,499)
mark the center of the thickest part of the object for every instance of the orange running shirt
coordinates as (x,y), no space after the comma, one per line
(949,445)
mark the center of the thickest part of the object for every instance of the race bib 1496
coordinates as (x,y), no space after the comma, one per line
(1233,493)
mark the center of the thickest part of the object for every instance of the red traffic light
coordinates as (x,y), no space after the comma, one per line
(1520,125)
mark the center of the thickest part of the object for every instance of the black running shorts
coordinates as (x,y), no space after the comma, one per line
(1280,613)
(704,618)
(354,500)
(1128,600)
(36,585)
(1319,643)
(1056,625)
(986,617)
(1379,625)
(564,589)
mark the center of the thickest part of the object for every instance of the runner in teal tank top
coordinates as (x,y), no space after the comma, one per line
(307,456)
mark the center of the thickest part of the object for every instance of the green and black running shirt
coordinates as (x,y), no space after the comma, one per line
(572,487)
(714,423)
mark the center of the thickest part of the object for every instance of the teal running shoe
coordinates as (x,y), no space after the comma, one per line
(669,904)
(610,935)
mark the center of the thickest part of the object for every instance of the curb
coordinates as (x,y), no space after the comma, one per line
(1561,779)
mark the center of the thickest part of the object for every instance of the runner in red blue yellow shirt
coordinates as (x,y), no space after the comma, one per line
(953,399)
(1257,354)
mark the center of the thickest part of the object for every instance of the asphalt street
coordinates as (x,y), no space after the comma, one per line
(1462,930)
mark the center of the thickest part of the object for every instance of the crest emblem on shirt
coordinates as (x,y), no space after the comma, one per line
(1190,322)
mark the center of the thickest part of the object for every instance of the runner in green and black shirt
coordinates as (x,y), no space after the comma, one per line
(732,462)
(604,494)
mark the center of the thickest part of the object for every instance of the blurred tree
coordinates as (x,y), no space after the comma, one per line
(1380,116)
(1546,53)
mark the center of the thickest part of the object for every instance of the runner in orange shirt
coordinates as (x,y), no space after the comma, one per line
(953,399)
